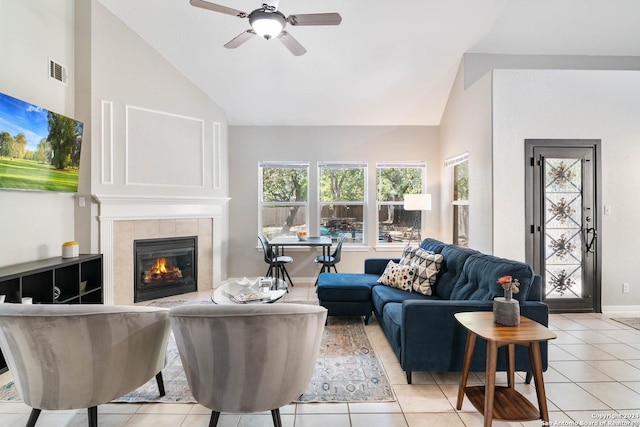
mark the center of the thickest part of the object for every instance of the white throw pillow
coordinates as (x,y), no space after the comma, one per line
(398,276)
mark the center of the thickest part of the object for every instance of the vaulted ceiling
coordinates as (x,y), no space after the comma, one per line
(387,63)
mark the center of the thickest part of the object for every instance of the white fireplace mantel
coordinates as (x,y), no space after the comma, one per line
(131,208)
(117,207)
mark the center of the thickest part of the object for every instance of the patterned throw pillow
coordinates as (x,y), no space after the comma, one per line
(398,276)
(407,256)
(427,266)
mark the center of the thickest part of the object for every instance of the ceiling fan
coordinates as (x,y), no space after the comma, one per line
(269,22)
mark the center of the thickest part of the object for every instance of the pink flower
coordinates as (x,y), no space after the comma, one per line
(508,283)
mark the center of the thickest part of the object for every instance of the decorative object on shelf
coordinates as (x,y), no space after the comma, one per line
(506,310)
(2,298)
(56,293)
(70,249)
(27,300)
(302,235)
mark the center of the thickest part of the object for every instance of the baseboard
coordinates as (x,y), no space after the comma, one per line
(610,309)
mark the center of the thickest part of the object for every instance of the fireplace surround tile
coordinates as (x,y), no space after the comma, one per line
(167,228)
(187,227)
(146,229)
(126,231)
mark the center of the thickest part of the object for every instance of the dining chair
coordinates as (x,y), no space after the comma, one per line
(275,262)
(80,356)
(243,358)
(331,260)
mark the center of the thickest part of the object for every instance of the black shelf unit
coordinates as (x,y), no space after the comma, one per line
(38,279)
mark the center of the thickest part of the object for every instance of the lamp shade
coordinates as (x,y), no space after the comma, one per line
(417,202)
(267,24)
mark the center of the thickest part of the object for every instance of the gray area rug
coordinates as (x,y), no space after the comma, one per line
(633,322)
(347,369)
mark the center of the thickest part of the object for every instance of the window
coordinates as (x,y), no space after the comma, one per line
(460,198)
(395,225)
(284,202)
(342,196)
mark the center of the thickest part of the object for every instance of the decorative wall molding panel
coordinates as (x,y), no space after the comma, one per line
(217,156)
(106,142)
(163,149)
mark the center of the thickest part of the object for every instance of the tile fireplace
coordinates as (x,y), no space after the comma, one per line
(125,219)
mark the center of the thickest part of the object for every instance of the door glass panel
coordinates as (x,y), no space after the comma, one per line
(563,225)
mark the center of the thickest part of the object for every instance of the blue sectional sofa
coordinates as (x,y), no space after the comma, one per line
(422,329)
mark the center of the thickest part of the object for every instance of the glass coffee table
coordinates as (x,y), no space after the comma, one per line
(255,290)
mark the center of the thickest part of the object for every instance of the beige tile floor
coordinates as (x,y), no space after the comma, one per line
(593,377)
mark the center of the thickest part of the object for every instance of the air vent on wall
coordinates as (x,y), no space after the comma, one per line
(57,71)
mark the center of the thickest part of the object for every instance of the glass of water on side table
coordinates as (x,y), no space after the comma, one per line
(265,284)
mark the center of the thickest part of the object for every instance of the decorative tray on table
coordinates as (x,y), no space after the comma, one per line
(247,291)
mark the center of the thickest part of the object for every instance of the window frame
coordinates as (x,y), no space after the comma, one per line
(262,204)
(364,202)
(421,165)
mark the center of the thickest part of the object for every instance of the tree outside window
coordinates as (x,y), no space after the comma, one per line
(284,202)
(395,225)
(342,196)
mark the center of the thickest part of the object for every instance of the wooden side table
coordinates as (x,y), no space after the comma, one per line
(503,403)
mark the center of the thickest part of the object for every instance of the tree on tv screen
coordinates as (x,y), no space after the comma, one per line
(64,137)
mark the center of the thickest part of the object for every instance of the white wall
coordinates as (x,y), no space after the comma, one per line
(466,127)
(33,225)
(248,145)
(582,105)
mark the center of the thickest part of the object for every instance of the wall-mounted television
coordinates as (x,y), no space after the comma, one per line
(39,149)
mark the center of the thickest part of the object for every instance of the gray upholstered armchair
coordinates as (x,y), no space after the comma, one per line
(248,358)
(81,356)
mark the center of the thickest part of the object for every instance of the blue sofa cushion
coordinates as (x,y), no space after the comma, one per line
(346,287)
(377,265)
(393,326)
(480,273)
(432,245)
(382,295)
(451,268)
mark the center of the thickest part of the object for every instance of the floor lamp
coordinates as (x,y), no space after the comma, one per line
(417,202)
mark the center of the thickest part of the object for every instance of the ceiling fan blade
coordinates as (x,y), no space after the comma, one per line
(240,39)
(292,44)
(217,8)
(315,19)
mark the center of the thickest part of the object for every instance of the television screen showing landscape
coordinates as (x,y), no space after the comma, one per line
(39,149)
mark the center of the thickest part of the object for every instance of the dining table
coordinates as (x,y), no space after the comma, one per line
(278,244)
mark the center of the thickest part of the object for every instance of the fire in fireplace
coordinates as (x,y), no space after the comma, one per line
(162,271)
(165,267)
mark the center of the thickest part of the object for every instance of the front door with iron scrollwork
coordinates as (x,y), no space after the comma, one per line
(563,222)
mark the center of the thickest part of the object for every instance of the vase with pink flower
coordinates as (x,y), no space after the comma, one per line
(506,310)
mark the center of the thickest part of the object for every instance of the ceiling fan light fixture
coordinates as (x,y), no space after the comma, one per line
(267,24)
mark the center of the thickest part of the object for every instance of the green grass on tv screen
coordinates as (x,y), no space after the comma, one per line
(32,175)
